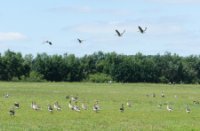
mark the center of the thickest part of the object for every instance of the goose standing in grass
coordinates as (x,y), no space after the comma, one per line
(96,106)
(74,99)
(12,111)
(170,109)
(57,106)
(76,108)
(122,108)
(50,108)
(187,109)
(34,106)
(16,104)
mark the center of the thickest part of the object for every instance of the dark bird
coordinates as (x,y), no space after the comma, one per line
(142,30)
(80,41)
(50,108)
(122,108)
(120,34)
(12,112)
(16,105)
(49,42)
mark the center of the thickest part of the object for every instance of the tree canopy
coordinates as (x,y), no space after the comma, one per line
(103,66)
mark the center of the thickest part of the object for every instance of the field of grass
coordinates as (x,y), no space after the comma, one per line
(145,113)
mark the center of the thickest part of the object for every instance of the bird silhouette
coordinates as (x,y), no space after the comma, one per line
(48,42)
(80,41)
(142,30)
(120,34)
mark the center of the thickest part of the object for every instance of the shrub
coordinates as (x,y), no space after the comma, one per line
(99,78)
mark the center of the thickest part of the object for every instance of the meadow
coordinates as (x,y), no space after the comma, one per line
(146,113)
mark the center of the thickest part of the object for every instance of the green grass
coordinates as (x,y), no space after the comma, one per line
(143,115)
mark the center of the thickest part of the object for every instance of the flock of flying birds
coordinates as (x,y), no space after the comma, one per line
(119,34)
(75,105)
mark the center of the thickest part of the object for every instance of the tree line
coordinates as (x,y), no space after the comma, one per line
(100,67)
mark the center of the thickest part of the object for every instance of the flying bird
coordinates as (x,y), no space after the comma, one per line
(48,42)
(120,34)
(80,41)
(142,30)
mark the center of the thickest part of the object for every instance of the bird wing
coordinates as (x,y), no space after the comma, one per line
(118,33)
(140,28)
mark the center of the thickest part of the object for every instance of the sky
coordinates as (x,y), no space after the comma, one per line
(172,26)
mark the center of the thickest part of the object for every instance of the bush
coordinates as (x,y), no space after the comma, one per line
(163,79)
(99,78)
(35,77)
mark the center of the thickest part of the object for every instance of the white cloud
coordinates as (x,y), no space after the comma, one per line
(11,36)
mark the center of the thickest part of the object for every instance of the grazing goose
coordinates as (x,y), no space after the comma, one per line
(12,111)
(50,108)
(120,34)
(16,104)
(74,99)
(34,106)
(57,106)
(122,108)
(169,108)
(96,106)
(76,108)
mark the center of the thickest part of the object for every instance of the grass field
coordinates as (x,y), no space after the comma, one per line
(145,114)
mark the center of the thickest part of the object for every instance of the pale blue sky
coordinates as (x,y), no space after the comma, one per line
(173,26)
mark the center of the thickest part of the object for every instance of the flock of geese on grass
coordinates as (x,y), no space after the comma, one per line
(73,104)
(119,34)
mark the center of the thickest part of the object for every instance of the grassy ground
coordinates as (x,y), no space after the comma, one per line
(145,114)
